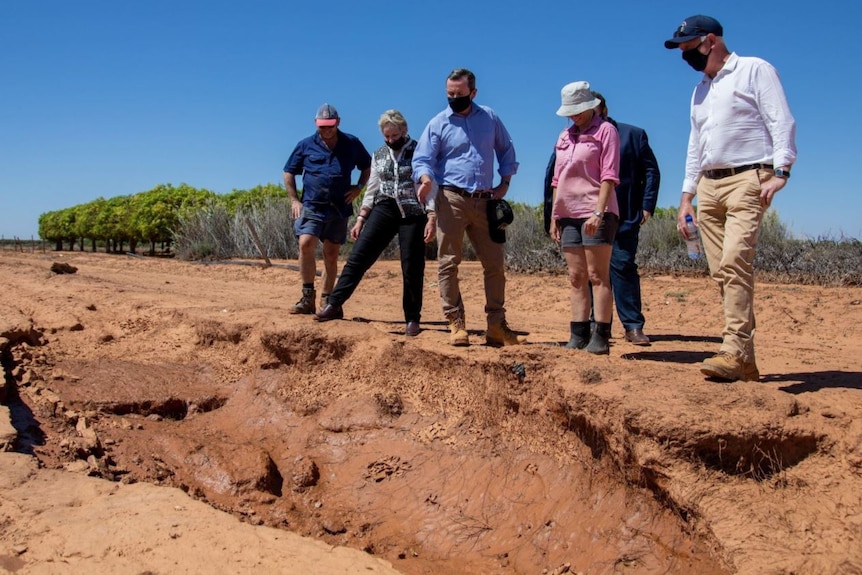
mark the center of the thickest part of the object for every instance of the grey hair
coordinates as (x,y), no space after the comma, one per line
(393,117)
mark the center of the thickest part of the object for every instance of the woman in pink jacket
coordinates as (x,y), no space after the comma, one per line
(585,214)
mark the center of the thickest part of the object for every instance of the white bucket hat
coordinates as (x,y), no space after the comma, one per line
(576,98)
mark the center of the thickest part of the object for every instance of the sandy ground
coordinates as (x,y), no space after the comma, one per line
(171,417)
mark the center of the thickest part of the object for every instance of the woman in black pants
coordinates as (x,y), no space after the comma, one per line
(390,207)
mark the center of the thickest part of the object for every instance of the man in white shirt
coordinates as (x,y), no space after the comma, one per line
(740,151)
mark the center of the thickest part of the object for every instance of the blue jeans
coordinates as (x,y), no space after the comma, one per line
(384,223)
(625,279)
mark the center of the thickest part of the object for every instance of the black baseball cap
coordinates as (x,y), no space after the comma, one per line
(694,27)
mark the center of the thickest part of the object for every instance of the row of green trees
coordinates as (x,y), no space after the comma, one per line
(152,216)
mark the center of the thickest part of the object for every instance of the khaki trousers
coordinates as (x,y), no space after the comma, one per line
(729,215)
(455,216)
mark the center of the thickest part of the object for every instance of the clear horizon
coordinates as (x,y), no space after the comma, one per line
(103,99)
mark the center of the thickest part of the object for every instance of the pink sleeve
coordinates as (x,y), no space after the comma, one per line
(610,153)
(558,166)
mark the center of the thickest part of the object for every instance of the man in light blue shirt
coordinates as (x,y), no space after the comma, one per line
(457,149)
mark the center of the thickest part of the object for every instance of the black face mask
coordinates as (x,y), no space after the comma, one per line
(459,103)
(696,59)
(397,144)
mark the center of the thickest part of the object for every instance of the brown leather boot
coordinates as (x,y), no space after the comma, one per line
(458,335)
(305,305)
(499,334)
(723,365)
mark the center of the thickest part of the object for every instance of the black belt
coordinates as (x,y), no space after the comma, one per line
(727,172)
(481,194)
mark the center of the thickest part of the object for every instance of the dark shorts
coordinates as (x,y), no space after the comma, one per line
(572,235)
(332,229)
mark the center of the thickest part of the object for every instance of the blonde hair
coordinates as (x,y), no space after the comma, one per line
(393,117)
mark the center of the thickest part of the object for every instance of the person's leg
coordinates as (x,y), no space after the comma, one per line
(625,280)
(579,298)
(492,255)
(451,223)
(729,215)
(598,258)
(597,252)
(330,265)
(307,268)
(744,214)
(411,243)
(379,229)
(308,232)
(576,265)
(334,235)
(493,259)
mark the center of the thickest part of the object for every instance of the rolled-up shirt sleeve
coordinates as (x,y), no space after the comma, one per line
(425,155)
(505,150)
(692,161)
(775,112)
(610,158)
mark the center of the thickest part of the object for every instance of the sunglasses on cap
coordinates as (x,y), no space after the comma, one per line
(690,31)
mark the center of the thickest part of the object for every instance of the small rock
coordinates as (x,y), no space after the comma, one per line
(63,268)
(78,466)
(305,473)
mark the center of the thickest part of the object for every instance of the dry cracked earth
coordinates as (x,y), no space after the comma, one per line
(172,417)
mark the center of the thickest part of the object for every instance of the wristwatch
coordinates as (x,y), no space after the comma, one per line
(597,213)
(781,173)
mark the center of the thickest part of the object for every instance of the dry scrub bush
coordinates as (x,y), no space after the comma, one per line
(213,233)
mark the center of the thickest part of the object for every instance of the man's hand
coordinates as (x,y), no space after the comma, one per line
(430,228)
(646,217)
(352,193)
(295,209)
(424,190)
(555,231)
(357,229)
(500,190)
(685,209)
(769,188)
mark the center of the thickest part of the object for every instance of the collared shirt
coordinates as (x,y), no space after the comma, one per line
(326,173)
(374,190)
(583,161)
(458,150)
(739,117)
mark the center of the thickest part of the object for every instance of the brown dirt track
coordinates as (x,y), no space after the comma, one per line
(432,459)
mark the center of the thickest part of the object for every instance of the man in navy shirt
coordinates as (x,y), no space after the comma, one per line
(325,161)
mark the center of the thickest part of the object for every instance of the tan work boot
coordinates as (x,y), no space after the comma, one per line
(458,335)
(723,365)
(499,334)
(305,305)
(750,371)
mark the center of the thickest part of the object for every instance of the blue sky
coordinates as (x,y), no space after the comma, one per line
(106,98)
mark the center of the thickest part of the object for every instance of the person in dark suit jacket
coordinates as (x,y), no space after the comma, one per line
(637,195)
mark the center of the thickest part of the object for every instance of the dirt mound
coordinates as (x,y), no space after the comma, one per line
(441,460)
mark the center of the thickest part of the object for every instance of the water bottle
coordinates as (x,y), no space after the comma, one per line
(692,244)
